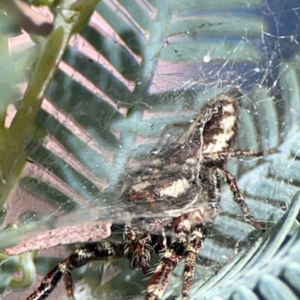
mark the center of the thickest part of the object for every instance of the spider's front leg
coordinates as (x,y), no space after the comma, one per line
(96,251)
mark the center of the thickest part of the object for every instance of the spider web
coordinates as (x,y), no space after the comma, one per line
(131,72)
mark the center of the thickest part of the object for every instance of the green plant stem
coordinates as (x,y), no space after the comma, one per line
(72,15)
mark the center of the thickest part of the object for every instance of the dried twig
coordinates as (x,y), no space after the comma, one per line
(82,233)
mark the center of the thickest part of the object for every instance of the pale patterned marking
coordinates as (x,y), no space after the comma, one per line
(221,140)
(229,108)
(184,226)
(63,267)
(141,186)
(228,123)
(177,188)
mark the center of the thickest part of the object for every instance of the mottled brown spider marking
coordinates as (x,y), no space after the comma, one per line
(212,130)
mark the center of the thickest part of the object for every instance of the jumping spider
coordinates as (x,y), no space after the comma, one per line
(184,176)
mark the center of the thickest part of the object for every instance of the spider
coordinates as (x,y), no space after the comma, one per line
(184,175)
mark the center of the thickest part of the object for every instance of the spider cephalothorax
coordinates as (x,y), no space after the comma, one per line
(182,180)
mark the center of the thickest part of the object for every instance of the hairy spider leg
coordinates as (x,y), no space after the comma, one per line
(96,251)
(193,248)
(68,282)
(238,197)
(164,270)
(232,153)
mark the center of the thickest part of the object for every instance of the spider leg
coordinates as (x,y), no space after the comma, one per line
(64,269)
(193,248)
(232,153)
(238,197)
(163,272)
(69,283)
